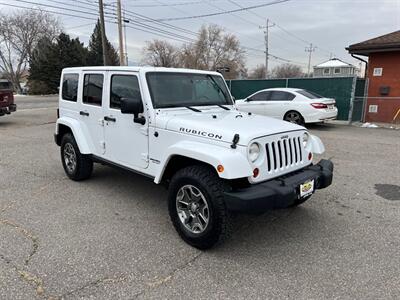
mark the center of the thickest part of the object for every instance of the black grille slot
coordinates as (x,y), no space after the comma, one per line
(280,154)
(300,154)
(286,152)
(291,151)
(295,150)
(274,154)
(268,157)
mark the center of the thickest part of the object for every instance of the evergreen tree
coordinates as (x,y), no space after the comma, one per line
(95,56)
(49,58)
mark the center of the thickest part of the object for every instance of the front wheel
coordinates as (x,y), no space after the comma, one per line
(294,117)
(196,206)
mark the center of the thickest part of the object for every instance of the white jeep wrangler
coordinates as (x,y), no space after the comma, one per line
(181,127)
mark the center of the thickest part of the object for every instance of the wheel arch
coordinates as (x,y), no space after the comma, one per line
(72,126)
(187,152)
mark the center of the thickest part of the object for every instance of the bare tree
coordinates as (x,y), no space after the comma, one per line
(160,53)
(258,72)
(19,34)
(215,50)
(287,71)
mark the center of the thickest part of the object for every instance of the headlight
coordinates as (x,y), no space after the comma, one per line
(306,137)
(254,152)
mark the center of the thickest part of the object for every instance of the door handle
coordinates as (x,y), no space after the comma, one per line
(84,113)
(110,119)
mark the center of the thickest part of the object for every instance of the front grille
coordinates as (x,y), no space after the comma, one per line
(283,153)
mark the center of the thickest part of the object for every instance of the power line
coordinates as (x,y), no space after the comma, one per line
(225,12)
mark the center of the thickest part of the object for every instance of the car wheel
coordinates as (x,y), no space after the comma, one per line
(76,165)
(294,117)
(196,206)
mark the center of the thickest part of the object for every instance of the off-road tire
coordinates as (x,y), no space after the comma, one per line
(84,165)
(211,186)
(288,117)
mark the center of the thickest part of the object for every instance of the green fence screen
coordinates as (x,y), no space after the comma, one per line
(339,88)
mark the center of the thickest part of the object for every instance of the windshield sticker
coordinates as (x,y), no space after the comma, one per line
(201,133)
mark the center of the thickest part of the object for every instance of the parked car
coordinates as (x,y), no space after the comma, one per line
(7,105)
(290,104)
(181,127)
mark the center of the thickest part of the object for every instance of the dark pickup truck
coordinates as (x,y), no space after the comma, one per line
(7,105)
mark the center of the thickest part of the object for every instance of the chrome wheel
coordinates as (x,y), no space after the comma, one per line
(69,157)
(192,209)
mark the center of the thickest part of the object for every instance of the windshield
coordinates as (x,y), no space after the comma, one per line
(310,95)
(4,85)
(187,89)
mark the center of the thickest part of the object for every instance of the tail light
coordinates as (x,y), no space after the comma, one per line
(319,105)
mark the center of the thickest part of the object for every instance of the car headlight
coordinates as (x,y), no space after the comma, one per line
(254,152)
(306,138)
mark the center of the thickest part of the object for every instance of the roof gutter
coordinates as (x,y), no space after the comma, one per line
(363,60)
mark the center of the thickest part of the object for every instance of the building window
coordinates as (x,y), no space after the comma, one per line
(327,71)
(378,71)
(337,71)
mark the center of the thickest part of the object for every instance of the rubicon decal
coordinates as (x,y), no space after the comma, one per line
(201,133)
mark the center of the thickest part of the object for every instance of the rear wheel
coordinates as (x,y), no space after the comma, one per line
(196,206)
(294,117)
(76,165)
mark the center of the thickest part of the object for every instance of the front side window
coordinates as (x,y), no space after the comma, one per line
(187,89)
(5,85)
(261,96)
(281,96)
(93,89)
(70,87)
(123,86)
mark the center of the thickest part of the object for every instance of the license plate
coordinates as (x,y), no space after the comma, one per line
(306,188)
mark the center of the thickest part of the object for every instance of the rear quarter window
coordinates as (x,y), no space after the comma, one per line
(70,87)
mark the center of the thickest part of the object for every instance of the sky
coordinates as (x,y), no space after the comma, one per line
(330,25)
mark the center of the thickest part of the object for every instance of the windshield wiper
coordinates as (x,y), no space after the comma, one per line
(192,108)
(223,107)
(219,88)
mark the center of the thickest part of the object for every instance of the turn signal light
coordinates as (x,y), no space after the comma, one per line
(256,171)
(319,105)
(220,168)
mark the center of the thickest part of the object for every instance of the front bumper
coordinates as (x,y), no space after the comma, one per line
(279,192)
(8,109)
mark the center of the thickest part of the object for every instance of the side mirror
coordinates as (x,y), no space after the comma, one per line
(247,100)
(133,106)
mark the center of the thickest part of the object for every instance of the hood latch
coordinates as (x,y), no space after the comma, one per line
(235,140)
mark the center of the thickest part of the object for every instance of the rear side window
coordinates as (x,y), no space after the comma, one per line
(5,85)
(70,87)
(309,94)
(281,96)
(123,86)
(261,96)
(93,89)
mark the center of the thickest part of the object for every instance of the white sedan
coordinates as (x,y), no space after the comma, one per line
(290,104)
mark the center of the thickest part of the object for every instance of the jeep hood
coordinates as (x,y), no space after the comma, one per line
(223,125)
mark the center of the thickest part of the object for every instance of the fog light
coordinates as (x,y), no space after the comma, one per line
(310,156)
(256,171)
(220,168)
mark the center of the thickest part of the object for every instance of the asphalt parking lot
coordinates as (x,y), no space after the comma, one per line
(110,237)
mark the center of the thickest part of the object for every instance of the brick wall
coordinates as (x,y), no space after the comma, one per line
(387,107)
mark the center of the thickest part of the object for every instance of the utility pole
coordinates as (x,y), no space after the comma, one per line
(121,42)
(310,50)
(125,43)
(266,27)
(103,33)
